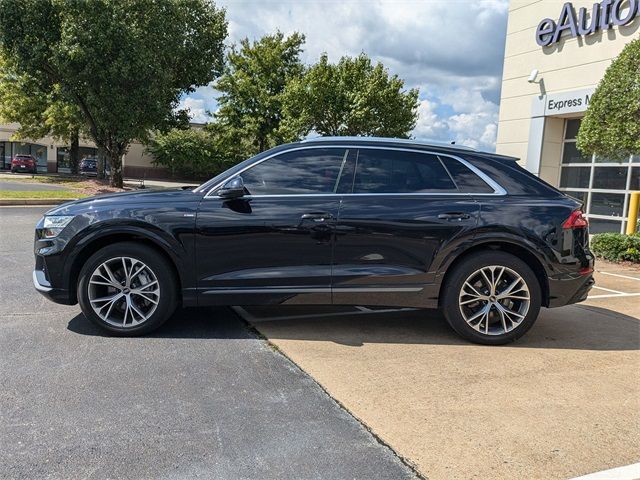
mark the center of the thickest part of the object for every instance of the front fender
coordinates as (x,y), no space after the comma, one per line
(83,243)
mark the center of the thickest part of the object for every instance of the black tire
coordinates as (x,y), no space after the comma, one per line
(157,264)
(453,311)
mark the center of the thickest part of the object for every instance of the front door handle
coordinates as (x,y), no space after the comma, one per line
(317,217)
(454,216)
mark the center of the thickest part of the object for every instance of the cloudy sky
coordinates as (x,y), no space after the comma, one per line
(452,50)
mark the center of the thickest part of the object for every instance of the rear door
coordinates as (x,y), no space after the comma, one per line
(403,209)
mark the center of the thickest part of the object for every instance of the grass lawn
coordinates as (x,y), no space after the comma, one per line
(49,194)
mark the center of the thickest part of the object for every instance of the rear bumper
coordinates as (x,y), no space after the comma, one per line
(569,289)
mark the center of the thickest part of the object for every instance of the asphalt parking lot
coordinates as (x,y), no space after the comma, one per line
(205,397)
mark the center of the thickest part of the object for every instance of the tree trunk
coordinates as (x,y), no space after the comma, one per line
(101,163)
(74,152)
(115,163)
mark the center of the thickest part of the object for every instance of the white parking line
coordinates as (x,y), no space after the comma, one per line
(619,275)
(607,289)
(630,472)
(614,295)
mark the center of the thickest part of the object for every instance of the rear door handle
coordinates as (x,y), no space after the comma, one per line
(317,217)
(454,216)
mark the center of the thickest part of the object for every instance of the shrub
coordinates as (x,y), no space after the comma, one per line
(617,247)
(191,153)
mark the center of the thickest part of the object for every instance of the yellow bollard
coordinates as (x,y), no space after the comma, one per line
(634,203)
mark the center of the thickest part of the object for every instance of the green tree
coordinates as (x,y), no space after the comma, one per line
(352,97)
(123,63)
(611,127)
(189,153)
(251,89)
(39,113)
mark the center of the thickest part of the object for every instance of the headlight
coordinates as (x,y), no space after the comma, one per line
(54,224)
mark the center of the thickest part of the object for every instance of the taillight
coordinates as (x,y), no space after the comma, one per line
(576,220)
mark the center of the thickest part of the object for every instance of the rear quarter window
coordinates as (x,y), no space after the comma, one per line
(466,180)
(513,178)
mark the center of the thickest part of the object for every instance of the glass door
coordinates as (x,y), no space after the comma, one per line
(602,184)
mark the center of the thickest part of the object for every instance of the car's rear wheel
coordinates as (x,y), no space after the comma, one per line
(127,289)
(491,298)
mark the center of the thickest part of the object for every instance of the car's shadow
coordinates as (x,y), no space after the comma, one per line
(575,327)
(196,323)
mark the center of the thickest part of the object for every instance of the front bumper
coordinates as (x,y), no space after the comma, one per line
(57,295)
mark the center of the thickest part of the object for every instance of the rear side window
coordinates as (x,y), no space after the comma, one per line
(396,171)
(466,180)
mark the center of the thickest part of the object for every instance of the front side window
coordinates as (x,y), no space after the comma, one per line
(311,171)
(396,171)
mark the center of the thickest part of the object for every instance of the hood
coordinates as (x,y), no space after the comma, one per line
(126,199)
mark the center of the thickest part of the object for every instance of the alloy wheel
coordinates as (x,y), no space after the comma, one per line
(494,300)
(124,292)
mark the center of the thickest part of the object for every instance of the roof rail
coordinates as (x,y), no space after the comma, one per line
(427,143)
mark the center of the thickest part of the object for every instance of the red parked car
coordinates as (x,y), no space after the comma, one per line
(24,163)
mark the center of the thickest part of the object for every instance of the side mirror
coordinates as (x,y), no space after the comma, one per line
(234,188)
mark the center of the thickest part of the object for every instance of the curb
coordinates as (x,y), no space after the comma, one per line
(34,201)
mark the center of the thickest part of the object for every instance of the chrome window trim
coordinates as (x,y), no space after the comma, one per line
(498,190)
(374,140)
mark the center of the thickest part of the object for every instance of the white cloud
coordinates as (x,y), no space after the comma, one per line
(429,125)
(196,108)
(451,49)
(476,130)
(474,121)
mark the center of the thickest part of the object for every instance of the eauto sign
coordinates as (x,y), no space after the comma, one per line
(603,16)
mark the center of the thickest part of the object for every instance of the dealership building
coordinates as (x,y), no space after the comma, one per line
(53,156)
(556,53)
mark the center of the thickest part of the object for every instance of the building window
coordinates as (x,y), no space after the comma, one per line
(9,149)
(62,157)
(5,162)
(603,185)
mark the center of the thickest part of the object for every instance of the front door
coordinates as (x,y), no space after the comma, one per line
(274,244)
(404,208)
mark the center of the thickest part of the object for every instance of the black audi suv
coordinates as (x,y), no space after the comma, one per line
(342,221)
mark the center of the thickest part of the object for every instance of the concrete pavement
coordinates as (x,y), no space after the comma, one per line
(203,397)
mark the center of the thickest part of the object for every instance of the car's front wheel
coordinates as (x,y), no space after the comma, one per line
(491,298)
(127,289)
